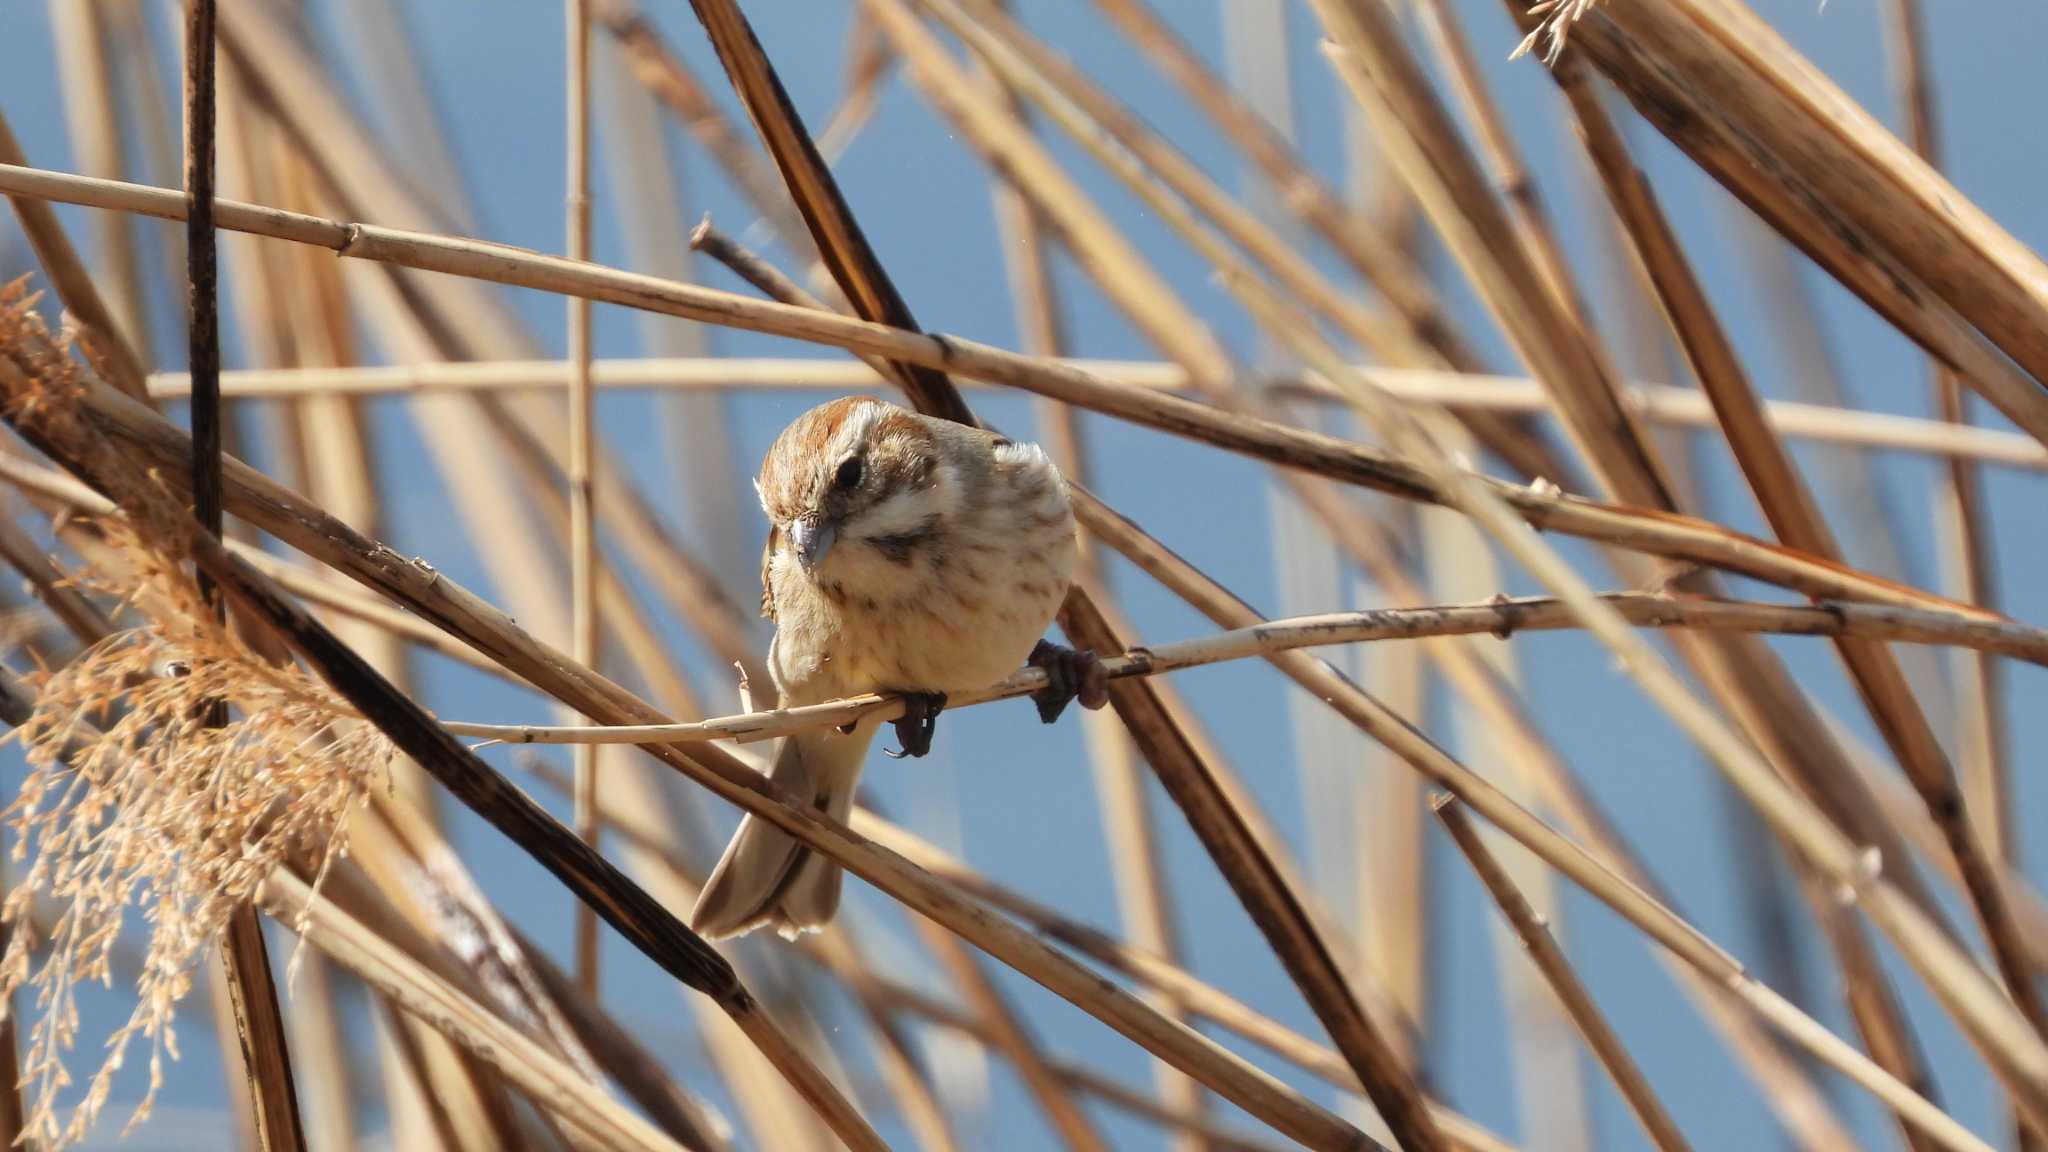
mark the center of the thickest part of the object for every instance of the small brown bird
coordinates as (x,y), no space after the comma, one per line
(907,554)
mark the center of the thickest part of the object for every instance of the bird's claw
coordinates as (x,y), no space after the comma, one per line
(1069,675)
(915,727)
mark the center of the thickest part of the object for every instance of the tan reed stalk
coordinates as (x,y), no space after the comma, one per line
(1661,405)
(71,607)
(1387,85)
(1187,777)
(1963,528)
(1675,537)
(1784,139)
(1795,516)
(1500,617)
(259,1022)
(1557,970)
(583,557)
(322,1054)
(1130,835)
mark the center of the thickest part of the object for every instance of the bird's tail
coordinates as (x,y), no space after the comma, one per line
(766,876)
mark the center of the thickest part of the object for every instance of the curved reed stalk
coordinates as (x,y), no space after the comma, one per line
(1501,617)
(1658,404)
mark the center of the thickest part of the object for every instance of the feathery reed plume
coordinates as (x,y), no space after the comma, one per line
(1553,20)
(133,800)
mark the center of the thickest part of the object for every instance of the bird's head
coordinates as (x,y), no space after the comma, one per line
(857,473)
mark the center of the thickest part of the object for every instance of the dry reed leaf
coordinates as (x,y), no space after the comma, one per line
(132,801)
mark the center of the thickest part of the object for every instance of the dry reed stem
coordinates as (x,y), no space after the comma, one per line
(1659,404)
(1501,617)
(252,995)
(1675,537)
(1557,971)
(583,554)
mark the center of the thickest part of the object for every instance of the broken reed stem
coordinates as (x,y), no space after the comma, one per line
(1557,971)
(583,555)
(1672,536)
(252,994)
(1501,617)
(1659,404)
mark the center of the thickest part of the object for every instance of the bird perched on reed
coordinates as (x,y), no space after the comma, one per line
(907,554)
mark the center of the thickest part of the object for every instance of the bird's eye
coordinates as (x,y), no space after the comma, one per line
(848,475)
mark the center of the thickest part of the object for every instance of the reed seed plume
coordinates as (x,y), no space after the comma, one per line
(133,802)
(1554,25)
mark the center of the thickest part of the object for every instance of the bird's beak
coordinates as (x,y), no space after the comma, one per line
(812,538)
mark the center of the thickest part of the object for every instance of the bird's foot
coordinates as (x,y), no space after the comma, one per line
(1069,675)
(915,727)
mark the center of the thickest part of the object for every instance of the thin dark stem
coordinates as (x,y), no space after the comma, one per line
(259,1023)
